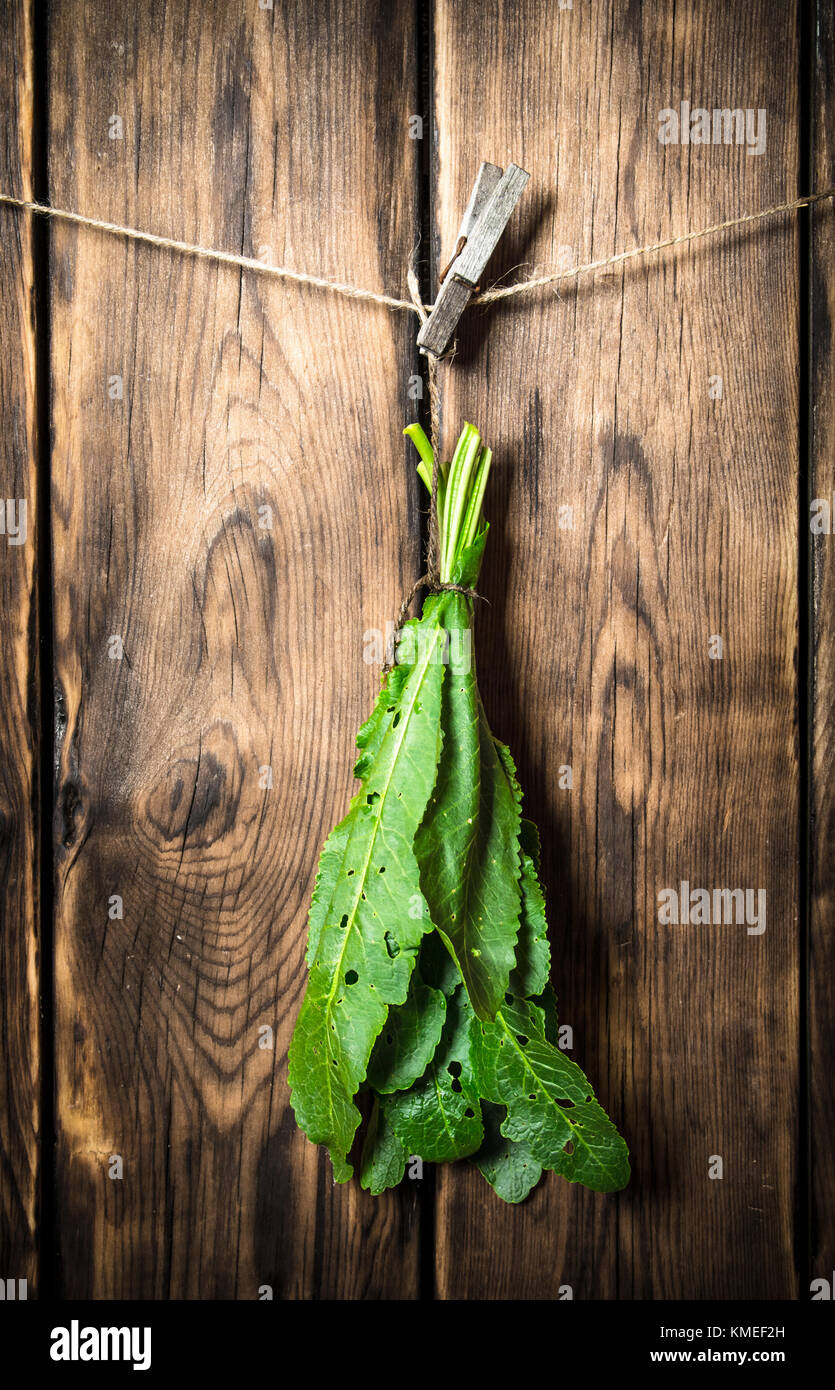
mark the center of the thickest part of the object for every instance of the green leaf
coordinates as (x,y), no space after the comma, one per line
(329,865)
(368,939)
(550,1104)
(533,954)
(440,1116)
(437,966)
(383,1160)
(467,565)
(409,1038)
(510,1168)
(371,734)
(547,1001)
(467,845)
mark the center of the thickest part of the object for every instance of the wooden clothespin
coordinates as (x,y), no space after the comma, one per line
(494,196)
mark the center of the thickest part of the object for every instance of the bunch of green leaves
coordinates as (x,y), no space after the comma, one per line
(428,953)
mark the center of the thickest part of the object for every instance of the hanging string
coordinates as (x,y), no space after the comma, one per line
(434,429)
(431,579)
(489,296)
(524,286)
(206,253)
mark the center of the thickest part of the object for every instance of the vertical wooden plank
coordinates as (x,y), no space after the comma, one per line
(231,513)
(595,653)
(822,709)
(20,705)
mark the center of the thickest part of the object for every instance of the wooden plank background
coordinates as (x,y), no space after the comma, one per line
(821,669)
(684,526)
(243,129)
(233,509)
(20,1076)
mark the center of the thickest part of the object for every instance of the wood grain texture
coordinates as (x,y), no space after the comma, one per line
(284,134)
(594,652)
(822,722)
(19,707)
(245,511)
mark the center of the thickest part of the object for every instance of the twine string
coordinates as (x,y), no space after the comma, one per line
(434,428)
(489,296)
(206,253)
(431,579)
(589,267)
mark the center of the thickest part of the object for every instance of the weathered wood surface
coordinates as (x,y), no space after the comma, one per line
(595,650)
(822,724)
(280,133)
(20,704)
(236,518)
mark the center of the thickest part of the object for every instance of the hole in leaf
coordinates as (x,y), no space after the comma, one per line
(468,1113)
(454,1068)
(372,797)
(343,924)
(521,1039)
(568,1148)
(396,720)
(350,871)
(351,977)
(508,999)
(569,1104)
(456,1086)
(532,1097)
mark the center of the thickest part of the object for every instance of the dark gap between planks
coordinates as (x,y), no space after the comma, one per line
(807,17)
(424,23)
(44,659)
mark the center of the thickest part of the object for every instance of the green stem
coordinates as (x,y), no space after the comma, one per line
(454,469)
(417,434)
(472,518)
(425,465)
(460,491)
(460,474)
